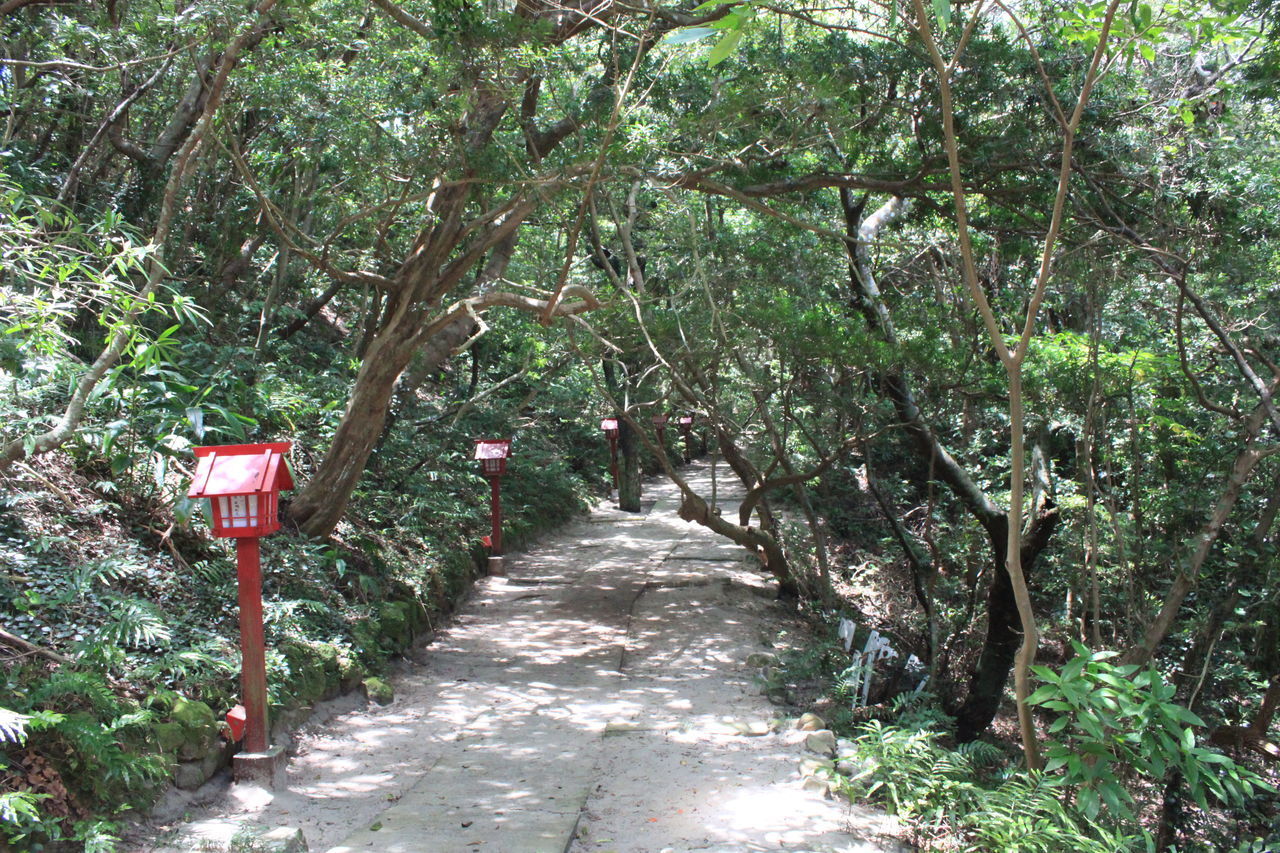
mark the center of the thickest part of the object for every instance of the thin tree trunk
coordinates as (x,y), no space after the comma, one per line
(310,310)
(1185,580)
(1012,360)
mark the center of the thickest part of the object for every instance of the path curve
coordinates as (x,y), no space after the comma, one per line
(598,700)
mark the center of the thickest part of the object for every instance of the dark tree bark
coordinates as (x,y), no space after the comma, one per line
(629,474)
(310,310)
(1004,635)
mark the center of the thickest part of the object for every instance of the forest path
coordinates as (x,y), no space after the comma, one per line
(597,699)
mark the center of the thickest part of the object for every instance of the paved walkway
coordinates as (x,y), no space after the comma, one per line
(594,700)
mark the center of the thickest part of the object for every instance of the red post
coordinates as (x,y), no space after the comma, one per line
(253,655)
(495,510)
(613,460)
(686,429)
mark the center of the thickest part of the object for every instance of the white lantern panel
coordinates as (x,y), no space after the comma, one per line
(239,510)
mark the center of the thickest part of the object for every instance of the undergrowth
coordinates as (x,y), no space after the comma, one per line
(108,571)
(1111,733)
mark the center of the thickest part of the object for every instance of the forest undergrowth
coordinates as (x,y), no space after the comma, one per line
(121,610)
(1115,733)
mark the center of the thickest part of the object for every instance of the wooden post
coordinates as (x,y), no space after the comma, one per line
(613,460)
(495,510)
(253,655)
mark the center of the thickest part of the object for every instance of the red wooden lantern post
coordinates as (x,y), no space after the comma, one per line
(686,427)
(610,428)
(242,483)
(492,454)
(660,425)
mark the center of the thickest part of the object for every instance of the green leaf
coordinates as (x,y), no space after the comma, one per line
(13,726)
(1045,674)
(942,9)
(688,36)
(1089,803)
(1074,667)
(723,48)
(1148,52)
(1187,716)
(1042,694)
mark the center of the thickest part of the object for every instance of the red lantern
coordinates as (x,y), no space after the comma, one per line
(686,428)
(610,428)
(492,454)
(242,483)
(660,425)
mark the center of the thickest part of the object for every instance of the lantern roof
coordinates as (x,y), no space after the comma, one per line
(241,469)
(492,448)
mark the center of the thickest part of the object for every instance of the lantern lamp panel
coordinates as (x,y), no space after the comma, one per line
(492,454)
(239,510)
(241,483)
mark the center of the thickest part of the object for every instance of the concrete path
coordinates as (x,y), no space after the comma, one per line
(597,699)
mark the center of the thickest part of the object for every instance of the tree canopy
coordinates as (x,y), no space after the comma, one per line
(976,299)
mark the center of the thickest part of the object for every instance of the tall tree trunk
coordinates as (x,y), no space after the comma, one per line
(319,505)
(629,478)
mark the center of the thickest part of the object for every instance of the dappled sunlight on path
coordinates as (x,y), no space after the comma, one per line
(597,699)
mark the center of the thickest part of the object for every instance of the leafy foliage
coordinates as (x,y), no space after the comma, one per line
(942,792)
(1115,722)
(734,196)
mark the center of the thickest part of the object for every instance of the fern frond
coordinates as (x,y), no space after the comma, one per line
(62,685)
(20,807)
(13,726)
(135,623)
